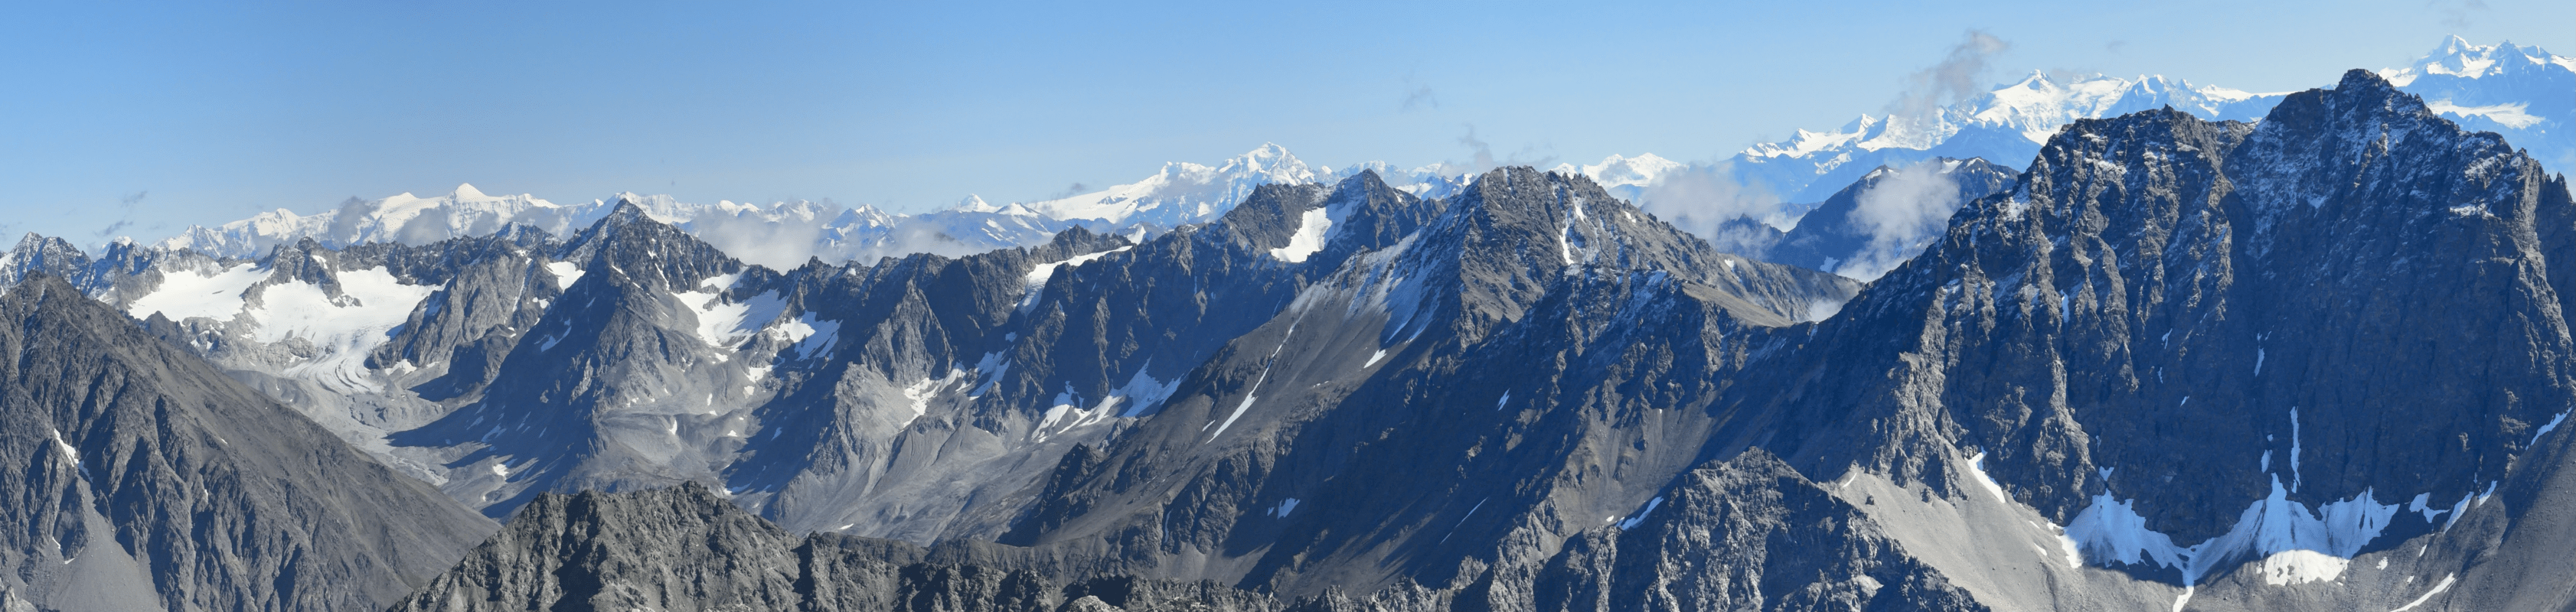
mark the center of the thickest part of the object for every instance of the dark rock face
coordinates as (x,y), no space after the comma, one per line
(1748,533)
(2344,317)
(148,480)
(673,549)
(1413,409)
(685,548)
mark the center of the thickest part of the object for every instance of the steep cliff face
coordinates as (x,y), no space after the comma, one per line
(1748,533)
(2208,348)
(1433,398)
(145,479)
(687,548)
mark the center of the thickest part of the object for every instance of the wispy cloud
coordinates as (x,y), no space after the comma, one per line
(126,206)
(1901,214)
(2456,13)
(1481,157)
(1959,75)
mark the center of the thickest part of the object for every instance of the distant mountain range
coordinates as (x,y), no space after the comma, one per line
(2171,364)
(2520,92)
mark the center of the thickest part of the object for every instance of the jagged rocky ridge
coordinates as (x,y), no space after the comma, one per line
(2000,423)
(1531,396)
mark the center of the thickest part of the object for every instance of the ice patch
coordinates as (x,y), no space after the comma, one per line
(808,334)
(2110,531)
(501,469)
(1507,398)
(1462,520)
(1033,285)
(2421,506)
(921,392)
(2544,429)
(1248,396)
(186,294)
(1067,414)
(723,323)
(1977,468)
(1311,228)
(2301,566)
(565,273)
(68,452)
(2428,595)
(1372,360)
(1632,522)
(1285,506)
(992,366)
(1141,393)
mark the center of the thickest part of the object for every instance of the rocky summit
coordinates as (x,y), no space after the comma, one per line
(2318,361)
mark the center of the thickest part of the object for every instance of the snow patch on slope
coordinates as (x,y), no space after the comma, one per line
(184,295)
(1311,232)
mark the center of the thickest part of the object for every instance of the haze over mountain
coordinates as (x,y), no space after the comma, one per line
(2516,91)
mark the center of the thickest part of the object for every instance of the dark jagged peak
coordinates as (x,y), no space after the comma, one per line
(305,261)
(524,235)
(1077,241)
(630,244)
(1274,219)
(1503,241)
(2197,345)
(680,548)
(1366,215)
(44,254)
(1319,226)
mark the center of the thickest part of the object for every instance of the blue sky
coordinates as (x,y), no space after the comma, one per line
(155,116)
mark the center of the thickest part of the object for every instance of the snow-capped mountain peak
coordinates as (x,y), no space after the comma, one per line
(464,211)
(975,203)
(2008,124)
(2517,91)
(1622,171)
(2457,57)
(1185,192)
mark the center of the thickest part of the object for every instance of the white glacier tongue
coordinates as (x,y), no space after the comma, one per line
(343,330)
